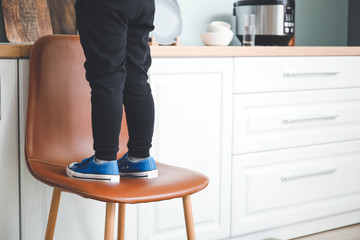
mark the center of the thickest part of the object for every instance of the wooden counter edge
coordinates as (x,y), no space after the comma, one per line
(238,51)
(23,51)
(15,50)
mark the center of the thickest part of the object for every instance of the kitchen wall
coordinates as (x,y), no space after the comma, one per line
(318,22)
(354,23)
(196,14)
(321,22)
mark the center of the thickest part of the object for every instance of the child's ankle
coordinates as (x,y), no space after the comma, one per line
(135,159)
(102,161)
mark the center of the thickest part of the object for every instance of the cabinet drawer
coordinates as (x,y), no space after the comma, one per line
(269,121)
(287,186)
(268,74)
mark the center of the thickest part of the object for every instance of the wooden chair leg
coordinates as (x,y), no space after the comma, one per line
(50,229)
(189,221)
(121,222)
(109,221)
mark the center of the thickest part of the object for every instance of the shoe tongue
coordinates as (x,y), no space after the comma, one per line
(86,160)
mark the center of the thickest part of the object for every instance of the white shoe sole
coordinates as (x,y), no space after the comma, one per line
(94,177)
(146,174)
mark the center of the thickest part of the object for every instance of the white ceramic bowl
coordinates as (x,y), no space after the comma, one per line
(221,24)
(217,28)
(217,38)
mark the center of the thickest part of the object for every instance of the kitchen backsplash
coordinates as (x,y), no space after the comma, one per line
(318,23)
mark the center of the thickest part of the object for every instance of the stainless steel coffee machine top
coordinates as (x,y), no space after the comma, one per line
(274,21)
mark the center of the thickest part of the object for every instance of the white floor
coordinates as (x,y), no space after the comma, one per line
(346,233)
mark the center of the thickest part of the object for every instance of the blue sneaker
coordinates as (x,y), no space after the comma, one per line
(145,168)
(89,169)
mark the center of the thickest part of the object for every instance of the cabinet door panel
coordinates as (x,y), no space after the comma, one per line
(9,163)
(277,188)
(192,130)
(269,74)
(268,121)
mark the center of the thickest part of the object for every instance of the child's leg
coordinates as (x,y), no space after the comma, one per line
(138,100)
(103,37)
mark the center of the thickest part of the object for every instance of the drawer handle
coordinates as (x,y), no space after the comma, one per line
(294,120)
(308,174)
(297,74)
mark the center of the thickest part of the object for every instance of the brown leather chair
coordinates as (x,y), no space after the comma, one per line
(58,132)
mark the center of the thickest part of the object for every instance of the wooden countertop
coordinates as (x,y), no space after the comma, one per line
(23,51)
(258,51)
(15,50)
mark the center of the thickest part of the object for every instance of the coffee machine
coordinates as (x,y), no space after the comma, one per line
(274,21)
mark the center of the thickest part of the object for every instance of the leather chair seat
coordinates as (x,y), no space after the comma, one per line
(173,182)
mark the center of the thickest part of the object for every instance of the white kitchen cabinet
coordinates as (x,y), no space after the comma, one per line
(192,129)
(193,99)
(275,189)
(35,196)
(270,121)
(296,132)
(278,137)
(271,74)
(9,160)
(78,218)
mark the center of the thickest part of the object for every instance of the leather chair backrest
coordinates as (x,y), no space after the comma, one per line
(58,127)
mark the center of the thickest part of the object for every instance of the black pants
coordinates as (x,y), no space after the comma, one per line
(114,36)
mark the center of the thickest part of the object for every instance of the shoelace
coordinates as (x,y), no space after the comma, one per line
(85,161)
